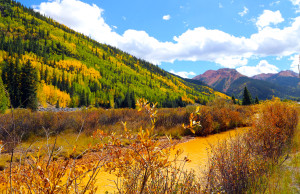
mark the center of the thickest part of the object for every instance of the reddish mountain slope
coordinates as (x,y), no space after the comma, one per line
(263,76)
(220,79)
(287,73)
(267,76)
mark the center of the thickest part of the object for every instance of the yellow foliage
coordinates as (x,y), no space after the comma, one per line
(71,65)
(50,94)
(222,95)
(187,100)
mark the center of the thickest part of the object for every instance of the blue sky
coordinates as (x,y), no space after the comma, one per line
(188,37)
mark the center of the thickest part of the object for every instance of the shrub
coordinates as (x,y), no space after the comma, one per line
(273,128)
(237,164)
(232,167)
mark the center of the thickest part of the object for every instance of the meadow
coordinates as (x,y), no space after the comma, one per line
(63,152)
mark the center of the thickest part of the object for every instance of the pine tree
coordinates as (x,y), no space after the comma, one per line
(57,104)
(88,99)
(29,86)
(133,101)
(233,99)
(256,100)
(96,103)
(82,100)
(11,78)
(3,98)
(127,101)
(247,99)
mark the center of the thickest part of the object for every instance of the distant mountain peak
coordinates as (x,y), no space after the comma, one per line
(266,76)
(263,76)
(220,72)
(287,73)
(284,84)
(221,79)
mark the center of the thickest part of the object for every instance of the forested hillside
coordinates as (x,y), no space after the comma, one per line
(67,68)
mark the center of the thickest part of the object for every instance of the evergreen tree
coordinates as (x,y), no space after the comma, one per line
(57,104)
(97,103)
(73,102)
(88,99)
(256,100)
(82,100)
(29,86)
(3,98)
(127,101)
(233,99)
(133,100)
(247,99)
(54,79)
(11,78)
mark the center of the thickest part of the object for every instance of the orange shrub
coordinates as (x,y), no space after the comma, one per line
(273,128)
(237,164)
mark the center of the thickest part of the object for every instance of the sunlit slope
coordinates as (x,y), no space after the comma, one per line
(75,70)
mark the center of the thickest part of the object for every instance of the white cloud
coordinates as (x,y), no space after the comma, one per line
(198,44)
(262,67)
(269,17)
(203,44)
(183,74)
(295,62)
(166,17)
(274,3)
(244,12)
(140,44)
(278,42)
(297,4)
(81,17)
(232,62)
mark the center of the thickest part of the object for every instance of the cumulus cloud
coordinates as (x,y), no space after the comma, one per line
(198,44)
(295,62)
(166,17)
(140,44)
(297,4)
(262,67)
(81,17)
(183,74)
(210,45)
(244,12)
(278,42)
(232,62)
(269,17)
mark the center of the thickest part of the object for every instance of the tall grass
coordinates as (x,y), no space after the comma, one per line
(238,165)
(286,175)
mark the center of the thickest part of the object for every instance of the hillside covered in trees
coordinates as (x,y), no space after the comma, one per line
(67,68)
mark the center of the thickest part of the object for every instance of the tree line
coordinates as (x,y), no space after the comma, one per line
(247,98)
